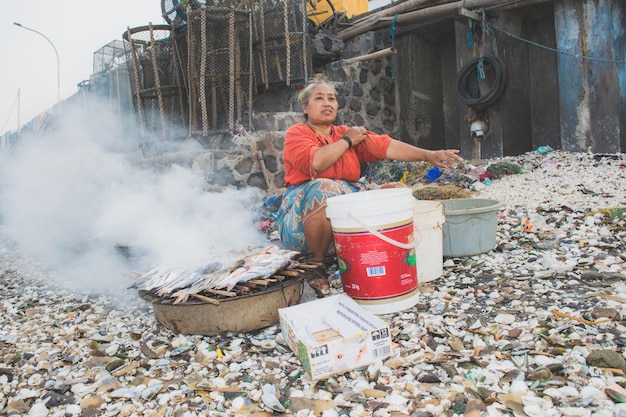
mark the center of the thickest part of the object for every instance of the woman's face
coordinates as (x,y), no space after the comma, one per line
(322,105)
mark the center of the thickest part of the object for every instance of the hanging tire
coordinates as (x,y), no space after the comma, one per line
(471,90)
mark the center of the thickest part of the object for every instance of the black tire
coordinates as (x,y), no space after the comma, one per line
(466,85)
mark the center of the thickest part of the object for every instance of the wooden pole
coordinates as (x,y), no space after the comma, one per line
(397,9)
(424,15)
(374,55)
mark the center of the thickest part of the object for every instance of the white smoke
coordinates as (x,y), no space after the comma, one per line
(73,199)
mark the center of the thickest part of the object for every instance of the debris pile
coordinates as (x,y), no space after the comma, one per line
(535,327)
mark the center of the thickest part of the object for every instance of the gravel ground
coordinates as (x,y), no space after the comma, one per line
(535,327)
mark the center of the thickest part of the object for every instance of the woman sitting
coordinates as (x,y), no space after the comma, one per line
(323,160)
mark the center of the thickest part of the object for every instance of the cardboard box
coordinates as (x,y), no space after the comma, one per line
(333,335)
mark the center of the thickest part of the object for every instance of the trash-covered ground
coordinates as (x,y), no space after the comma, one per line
(536,327)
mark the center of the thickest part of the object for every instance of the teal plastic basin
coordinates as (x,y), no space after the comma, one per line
(470,227)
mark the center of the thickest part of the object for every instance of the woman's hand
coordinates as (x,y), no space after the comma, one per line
(328,154)
(357,134)
(445,158)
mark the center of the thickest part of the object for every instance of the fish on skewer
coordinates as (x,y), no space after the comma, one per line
(263,264)
(164,279)
(191,279)
(178,278)
(158,277)
(205,281)
(180,283)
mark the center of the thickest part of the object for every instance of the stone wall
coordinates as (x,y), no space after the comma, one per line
(247,160)
(366,96)
(367,92)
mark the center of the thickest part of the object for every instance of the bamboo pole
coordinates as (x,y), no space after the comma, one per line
(428,14)
(374,55)
(397,9)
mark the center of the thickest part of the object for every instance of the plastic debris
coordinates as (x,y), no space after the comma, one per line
(433,174)
(544,149)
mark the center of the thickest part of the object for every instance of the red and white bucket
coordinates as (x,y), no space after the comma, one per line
(375,244)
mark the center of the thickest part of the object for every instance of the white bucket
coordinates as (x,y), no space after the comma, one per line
(375,245)
(428,219)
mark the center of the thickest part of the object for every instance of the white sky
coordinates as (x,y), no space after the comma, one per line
(77,29)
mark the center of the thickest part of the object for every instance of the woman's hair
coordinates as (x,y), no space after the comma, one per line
(305,93)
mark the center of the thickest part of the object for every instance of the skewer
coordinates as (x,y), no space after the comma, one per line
(206,299)
(242,289)
(310,266)
(288,273)
(221,292)
(254,285)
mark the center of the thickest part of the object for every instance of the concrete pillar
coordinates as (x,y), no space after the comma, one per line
(590,36)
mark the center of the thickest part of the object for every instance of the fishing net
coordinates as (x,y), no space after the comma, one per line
(233,49)
(157,83)
(220,68)
(281,44)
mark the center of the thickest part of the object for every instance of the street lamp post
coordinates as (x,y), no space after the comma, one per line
(55,52)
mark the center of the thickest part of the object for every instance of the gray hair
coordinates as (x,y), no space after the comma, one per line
(305,93)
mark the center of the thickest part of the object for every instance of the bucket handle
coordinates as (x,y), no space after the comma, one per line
(410,245)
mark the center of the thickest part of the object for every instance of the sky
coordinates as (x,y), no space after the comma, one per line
(76,29)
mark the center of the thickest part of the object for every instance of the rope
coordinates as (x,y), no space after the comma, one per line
(305,55)
(263,64)
(157,82)
(232,69)
(191,106)
(392,32)
(555,49)
(480,69)
(138,85)
(203,56)
(483,24)
(183,85)
(250,70)
(287,44)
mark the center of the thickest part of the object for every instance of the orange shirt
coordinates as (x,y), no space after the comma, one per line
(301,142)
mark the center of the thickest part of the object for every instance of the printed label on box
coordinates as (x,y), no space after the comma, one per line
(345,337)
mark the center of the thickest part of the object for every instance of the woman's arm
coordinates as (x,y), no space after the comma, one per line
(402,151)
(327,155)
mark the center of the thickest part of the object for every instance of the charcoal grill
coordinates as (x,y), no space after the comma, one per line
(249,306)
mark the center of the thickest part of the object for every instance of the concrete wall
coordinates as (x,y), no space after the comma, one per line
(553,96)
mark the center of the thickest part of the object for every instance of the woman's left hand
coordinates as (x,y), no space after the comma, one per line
(445,158)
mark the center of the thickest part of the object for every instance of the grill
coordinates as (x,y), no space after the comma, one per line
(249,306)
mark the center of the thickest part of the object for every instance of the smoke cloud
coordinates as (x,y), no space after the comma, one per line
(75,200)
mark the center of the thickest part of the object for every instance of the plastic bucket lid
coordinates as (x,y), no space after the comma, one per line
(370,203)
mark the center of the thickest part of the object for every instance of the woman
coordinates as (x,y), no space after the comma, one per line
(323,160)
